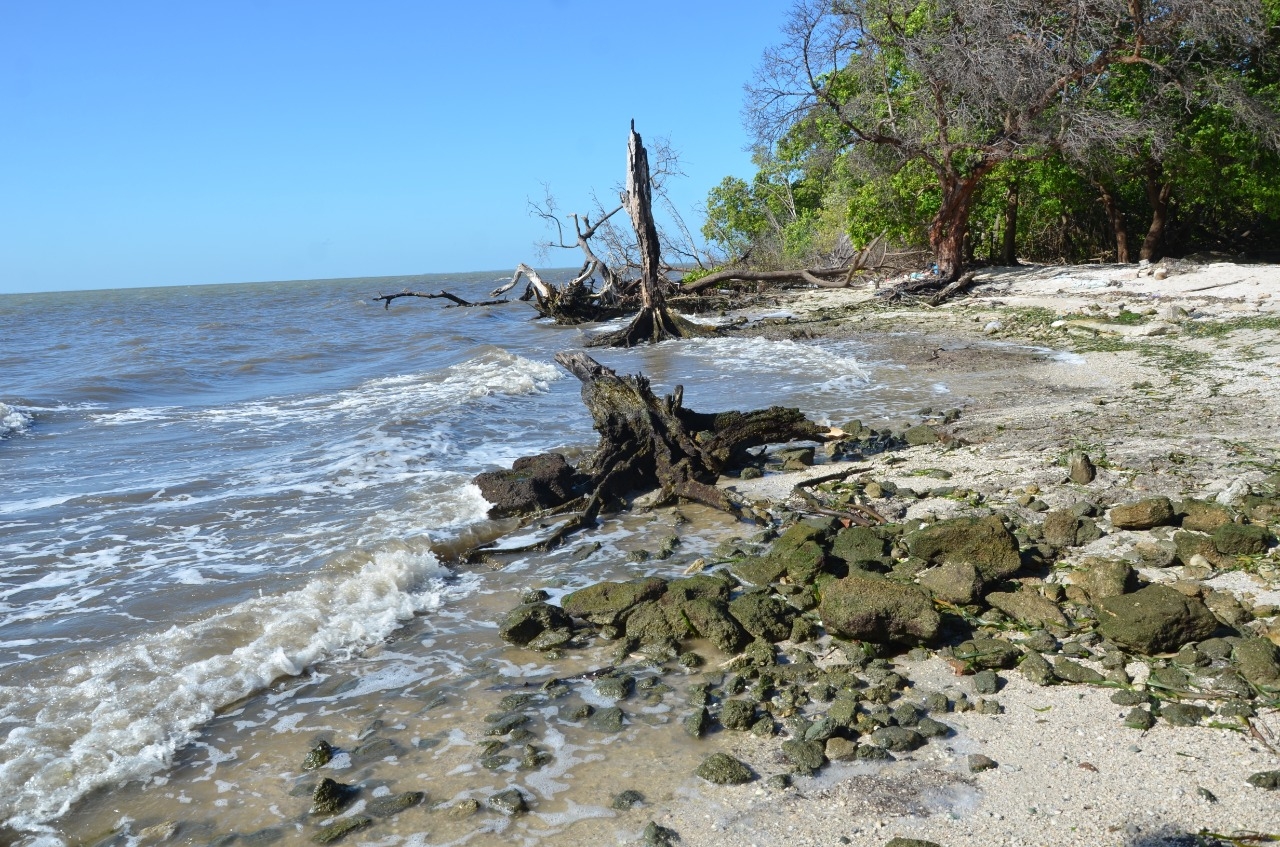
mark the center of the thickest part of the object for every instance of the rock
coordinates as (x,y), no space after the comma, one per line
(1155,619)
(1258,660)
(1184,714)
(615,687)
(841,749)
(1139,719)
(723,769)
(912,842)
(526,622)
(1027,606)
(1103,578)
(795,458)
(737,714)
(1188,545)
(979,763)
(930,728)
(1269,780)
(1037,669)
(986,682)
(341,829)
(623,801)
(510,802)
(1060,528)
(533,483)
(660,836)
(688,588)
(1070,671)
(958,583)
(759,571)
(920,436)
(605,603)
(1203,516)
(331,797)
(804,756)
(987,653)
(711,619)
(1082,468)
(763,616)
(859,544)
(1143,514)
(318,756)
(696,724)
(867,607)
(385,807)
(983,541)
(897,739)
(464,808)
(1233,539)
(608,719)
(649,623)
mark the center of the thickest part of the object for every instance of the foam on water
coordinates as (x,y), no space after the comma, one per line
(122,713)
(13,421)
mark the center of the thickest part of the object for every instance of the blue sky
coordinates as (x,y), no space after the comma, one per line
(163,143)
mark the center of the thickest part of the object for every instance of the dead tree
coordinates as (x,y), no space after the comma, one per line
(654,322)
(868,258)
(457,301)
(649,443)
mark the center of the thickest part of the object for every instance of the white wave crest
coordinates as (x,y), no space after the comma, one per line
(12,421)
(122,714)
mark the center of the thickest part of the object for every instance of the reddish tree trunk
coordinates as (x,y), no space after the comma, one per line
(1158,193)
(951,224)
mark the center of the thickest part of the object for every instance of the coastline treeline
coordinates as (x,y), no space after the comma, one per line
(978,132)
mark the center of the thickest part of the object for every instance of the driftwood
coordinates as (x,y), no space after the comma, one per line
(649,443)
(457,301)
(840,276)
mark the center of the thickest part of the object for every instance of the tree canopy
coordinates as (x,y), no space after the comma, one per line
(1046,128)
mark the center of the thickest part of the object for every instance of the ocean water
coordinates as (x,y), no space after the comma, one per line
(227,515)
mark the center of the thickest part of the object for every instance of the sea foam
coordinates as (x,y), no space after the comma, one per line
(123,713)
(12,421)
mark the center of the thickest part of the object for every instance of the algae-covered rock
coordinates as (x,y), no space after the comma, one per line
(737,714)
(510,802)
(897,739)
(979,763)
(1184,714)
(1155,619)
(1069,671)
(696,724)
(1233,539)
(987,653)
(983,541)
(958,583)
(605,603)
(723,769)
(867,607)
(608,719)
(660,836)
(759,571)
(699,585)
(1037,669)
(1103,578)
(1188,545)
(1028,607)
(858,544)
(341,829)
(839,749)
(1203,516)
(763,616)
(318,756)
(649,623)
(711,619)
(1268,780)
(1258,660)
(986,682)
(1143,514)
(331,797)
(1060,528)
(527,621)
(625,800)
(1140,719)
(804,756)
(385,807)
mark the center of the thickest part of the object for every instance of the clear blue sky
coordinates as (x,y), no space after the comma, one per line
(168,143)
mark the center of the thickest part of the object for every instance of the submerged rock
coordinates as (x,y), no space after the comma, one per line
(527,621)
(625,800)
(341,829)
(318,756)
(660,836)
(510,802)
(385,807)
(331,797)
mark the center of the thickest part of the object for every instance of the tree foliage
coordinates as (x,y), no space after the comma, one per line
(1053,126)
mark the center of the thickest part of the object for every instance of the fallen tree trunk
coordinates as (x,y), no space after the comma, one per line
(649,443)
(457,301)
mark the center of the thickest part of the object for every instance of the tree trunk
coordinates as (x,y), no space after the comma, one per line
(951,223)
(1009,247)
(1117,222)
(1158,193)
(654,322)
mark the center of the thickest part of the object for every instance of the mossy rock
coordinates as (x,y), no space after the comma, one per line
(859,544)
(867,607)
(1233,539)
(983,541)
(649,623)
(804,756)
(958,583)
(737,715)
(723,769)
(920,435)
(1069,671)
(699,585)
(897,739)
(1029,607)
(763,616)
(1258,660)
(984,653)
(1103,578)
(331,797)
(1060,528)
(341,829)
(1155,619)
(385,807)
(711,620)
(759,571)
(527,621)
(510,802)
(318,756)
(1203,516)
(1037,669)
(605,603)
(1188,544)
